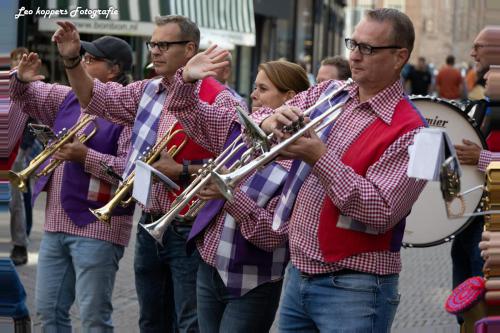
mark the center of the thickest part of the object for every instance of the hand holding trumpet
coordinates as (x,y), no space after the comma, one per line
(308,148)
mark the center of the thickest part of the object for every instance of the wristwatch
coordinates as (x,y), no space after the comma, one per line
(184,177)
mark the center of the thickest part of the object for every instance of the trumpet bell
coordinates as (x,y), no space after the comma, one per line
(17,180)
(156,233)
(102,214)
(223,182)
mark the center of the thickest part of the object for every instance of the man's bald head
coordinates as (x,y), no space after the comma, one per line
(486,48)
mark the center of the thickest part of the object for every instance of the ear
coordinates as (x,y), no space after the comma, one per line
(402,56)
(190,50)
(227,72)
(113,72)
(289,95)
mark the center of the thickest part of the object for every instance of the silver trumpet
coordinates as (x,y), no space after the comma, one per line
(227,182)
(158,228)
(260,142)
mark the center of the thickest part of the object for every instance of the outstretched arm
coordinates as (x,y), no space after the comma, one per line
(207,123)
(68,44)
(37,99)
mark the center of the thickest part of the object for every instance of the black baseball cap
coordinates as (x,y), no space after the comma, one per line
(111,48)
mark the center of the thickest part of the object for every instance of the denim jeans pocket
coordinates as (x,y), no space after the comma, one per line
(181,231)
(395,299)
(355,282)
(389,286)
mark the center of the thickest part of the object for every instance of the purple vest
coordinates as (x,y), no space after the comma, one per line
(244,254)
(75,182)
(213,207)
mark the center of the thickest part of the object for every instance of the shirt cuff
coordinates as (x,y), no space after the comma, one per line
(97,105)
(92,165)
(332,173)
(485,157)
(17,87)
(260,115)
(241,207)
(184,91)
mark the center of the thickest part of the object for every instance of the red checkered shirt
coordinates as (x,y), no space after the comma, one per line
(209,125)
(485,158)
(17,123)
(41,101)
(119,104)
(380,199)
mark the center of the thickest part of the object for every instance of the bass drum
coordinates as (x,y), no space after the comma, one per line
(428,224)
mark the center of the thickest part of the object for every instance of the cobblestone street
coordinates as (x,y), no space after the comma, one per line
(424,284)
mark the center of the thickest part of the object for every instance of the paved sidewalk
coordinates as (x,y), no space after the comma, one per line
(425,283)
(125,315)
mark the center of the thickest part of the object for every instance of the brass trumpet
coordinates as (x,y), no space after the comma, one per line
(19,179)
(260,143)
(104,213)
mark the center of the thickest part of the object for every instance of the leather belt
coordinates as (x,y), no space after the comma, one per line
(344,271)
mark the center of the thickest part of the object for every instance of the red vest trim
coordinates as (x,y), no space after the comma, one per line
(209,90)
(339,243)
(493,141)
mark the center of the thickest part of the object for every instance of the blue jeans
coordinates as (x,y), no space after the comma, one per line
(165,276)
(72,265)
(218,311)
(347,303)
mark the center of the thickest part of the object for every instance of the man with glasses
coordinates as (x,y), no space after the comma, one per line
(165,275)
(78,256)
(348,194)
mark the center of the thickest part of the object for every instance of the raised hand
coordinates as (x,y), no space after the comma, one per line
(28,68)
(204,64)
(67,39)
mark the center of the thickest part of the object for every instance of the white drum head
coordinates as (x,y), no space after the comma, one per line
(428,224)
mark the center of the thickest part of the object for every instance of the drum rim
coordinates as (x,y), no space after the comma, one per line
(475,126)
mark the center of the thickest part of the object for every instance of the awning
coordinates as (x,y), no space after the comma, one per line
(220,21)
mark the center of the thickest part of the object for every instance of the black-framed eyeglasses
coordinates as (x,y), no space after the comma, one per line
(163,45)
(366,49)
(478,46)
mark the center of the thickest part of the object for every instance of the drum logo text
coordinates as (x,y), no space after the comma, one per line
(436,122)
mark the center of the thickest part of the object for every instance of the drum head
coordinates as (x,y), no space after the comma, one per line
(428,224)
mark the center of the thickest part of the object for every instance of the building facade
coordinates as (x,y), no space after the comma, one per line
(254,30)
(442,27)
